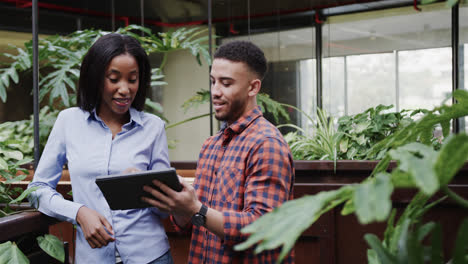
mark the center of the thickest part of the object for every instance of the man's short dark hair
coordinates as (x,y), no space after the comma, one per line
(246,52)
(95,62)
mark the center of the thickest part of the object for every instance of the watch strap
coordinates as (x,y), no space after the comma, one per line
(203,210)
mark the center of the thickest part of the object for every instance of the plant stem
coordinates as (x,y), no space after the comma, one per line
(187,120)
(163,61)
(18,212)
(299,110)
(3,212)
(457,198)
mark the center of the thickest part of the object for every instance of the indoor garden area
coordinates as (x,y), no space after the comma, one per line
(371,97)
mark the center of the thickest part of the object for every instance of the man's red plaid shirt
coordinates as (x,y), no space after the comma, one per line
(244,171)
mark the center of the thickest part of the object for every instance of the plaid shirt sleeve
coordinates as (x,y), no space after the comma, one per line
(268,184)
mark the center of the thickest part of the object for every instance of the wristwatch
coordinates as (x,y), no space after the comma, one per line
(199,218)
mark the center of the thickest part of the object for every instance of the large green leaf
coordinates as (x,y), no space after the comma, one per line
(418,160)
(452,157)
(460,251)
(3,164)
(383,254)
(402,254)
(372,257)
(12,154)
(402,179)
(372,199)
(3,92)
(52,246)
(11,254)
(16,179)
(284,225)
(24,195)
(437,256)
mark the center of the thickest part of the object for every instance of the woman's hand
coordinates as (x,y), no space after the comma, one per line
(95,227)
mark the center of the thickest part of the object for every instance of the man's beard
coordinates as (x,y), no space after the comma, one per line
(234,111)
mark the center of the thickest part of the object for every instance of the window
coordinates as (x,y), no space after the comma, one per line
(397,57)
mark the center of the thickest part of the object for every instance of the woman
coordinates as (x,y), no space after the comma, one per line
(106,134)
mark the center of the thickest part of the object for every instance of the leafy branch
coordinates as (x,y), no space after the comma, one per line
(60,58)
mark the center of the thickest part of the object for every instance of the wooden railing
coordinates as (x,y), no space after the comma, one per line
(332,239)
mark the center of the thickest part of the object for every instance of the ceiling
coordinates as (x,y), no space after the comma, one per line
(62,16)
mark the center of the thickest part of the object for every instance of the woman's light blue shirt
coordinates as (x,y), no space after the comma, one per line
(83,141)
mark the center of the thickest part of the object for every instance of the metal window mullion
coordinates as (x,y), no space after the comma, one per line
(397,81)
(345,65)
(35,81)
(318,67)
(455,54)
(113,15)
(210,25)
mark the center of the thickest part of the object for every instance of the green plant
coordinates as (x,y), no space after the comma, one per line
(364,130)
(319,144)
(403,240)
(10,252)
(419,166)
(9,195)
(60,58)
(354,136)
(17,138)
(12,173)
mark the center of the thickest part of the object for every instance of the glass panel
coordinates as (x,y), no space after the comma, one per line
(334,81)
(385,57)
(425,77)
(371,81)
(291,69)
(308,90)
(463,49)
(463,37)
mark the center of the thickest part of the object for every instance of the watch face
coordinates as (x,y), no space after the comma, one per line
(198,220)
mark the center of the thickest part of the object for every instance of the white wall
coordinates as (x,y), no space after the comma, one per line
(185,77)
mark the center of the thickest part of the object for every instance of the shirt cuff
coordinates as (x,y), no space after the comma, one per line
(66,210)
(181,229)
(233,223)
(160,214)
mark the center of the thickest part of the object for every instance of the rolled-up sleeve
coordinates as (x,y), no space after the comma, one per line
(269,176)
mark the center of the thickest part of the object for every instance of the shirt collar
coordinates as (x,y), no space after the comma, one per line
(241,124)
(134,116)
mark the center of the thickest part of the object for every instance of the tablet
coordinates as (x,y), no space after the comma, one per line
(124,191)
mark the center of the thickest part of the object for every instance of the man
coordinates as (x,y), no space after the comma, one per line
(243,172)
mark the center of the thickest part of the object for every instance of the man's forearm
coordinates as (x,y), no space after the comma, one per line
(215,222)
